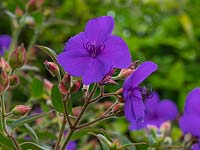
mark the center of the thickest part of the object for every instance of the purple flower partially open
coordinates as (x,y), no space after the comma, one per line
(5,41)
(134,107)
(93,53)
(157,112)
(190,121)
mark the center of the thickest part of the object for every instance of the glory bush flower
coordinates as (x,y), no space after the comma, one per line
(134,107)
(158,112)
(5,41)
(190,121)
(93,53)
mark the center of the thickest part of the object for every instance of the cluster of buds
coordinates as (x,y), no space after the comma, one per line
(18,57)
(21,110)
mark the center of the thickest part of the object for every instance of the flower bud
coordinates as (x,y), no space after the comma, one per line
(65,84)
(18,57)
(165,127)
(75,86)
(4,81)
(52,68)
(18,12)
(120,98)
(34,4)
(14,81)
(21,110)
(76,111)
(118,109)
(5,66)
(124,73)
(48,85)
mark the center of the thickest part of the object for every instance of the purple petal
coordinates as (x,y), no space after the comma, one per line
(192,104)
(167,110)
(73,62)
(5,41)
(190,124)
(134,108)
(98,29)
(116,49)
(195,146)
(140,74)
(151,104)
(71,145)
(136,125)
(76,43)
(96,70)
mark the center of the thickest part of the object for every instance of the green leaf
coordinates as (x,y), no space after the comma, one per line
(36,88)
(33,146)
(27,119)
(51,54)
(32,132)
(6,143)
(69,106)
(57,99)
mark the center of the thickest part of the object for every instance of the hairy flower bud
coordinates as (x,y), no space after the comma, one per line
(65,84)
(5,66)
(120,98)
(21,110)
(52,68)
(18,57)
(118,109)
(14,80)
(75,86)
(48,85)
(18,12)
(124,73)
(4,81)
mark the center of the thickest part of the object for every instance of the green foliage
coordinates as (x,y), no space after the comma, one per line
(56,98)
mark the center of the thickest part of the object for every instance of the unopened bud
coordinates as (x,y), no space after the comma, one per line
(5,66)
(52,68)
(34,4)
(21,110)
(124,73)
(165,127)
(120,98)
(118,109)
(75,86)
(65,84)
(18,57)
(18,12)
(4,81)
(48,85)
(29,21)
(76,111)
(14,81)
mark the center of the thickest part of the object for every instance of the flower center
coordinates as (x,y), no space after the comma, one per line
(94,49)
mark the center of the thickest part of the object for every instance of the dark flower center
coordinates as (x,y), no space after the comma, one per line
(94,49)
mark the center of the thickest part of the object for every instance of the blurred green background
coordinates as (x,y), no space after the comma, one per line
(164,31)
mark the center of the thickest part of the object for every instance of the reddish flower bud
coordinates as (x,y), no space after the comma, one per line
(52,68)
(18,57)
(4,81)
(14,80)
(118,109)
(75,86)
(76,111)
(48,85)
(65,84)
(5,66)
(124,73)
(120,98)
(18,12)
(21,110)
(34,4)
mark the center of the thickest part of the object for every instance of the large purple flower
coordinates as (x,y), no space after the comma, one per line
(134,107)
(157,112)
(93,53)
(5,41)
(190,121)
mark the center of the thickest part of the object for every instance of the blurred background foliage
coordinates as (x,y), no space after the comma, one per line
(164,31)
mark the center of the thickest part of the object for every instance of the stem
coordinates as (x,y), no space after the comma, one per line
(73,128)
(4,124)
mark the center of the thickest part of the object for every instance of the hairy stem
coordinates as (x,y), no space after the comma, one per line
(4,124)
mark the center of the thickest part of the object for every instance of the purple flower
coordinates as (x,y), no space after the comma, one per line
(71,145)
(93,53)
(157,112)
(5,41)
(190,121)
(134,107)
